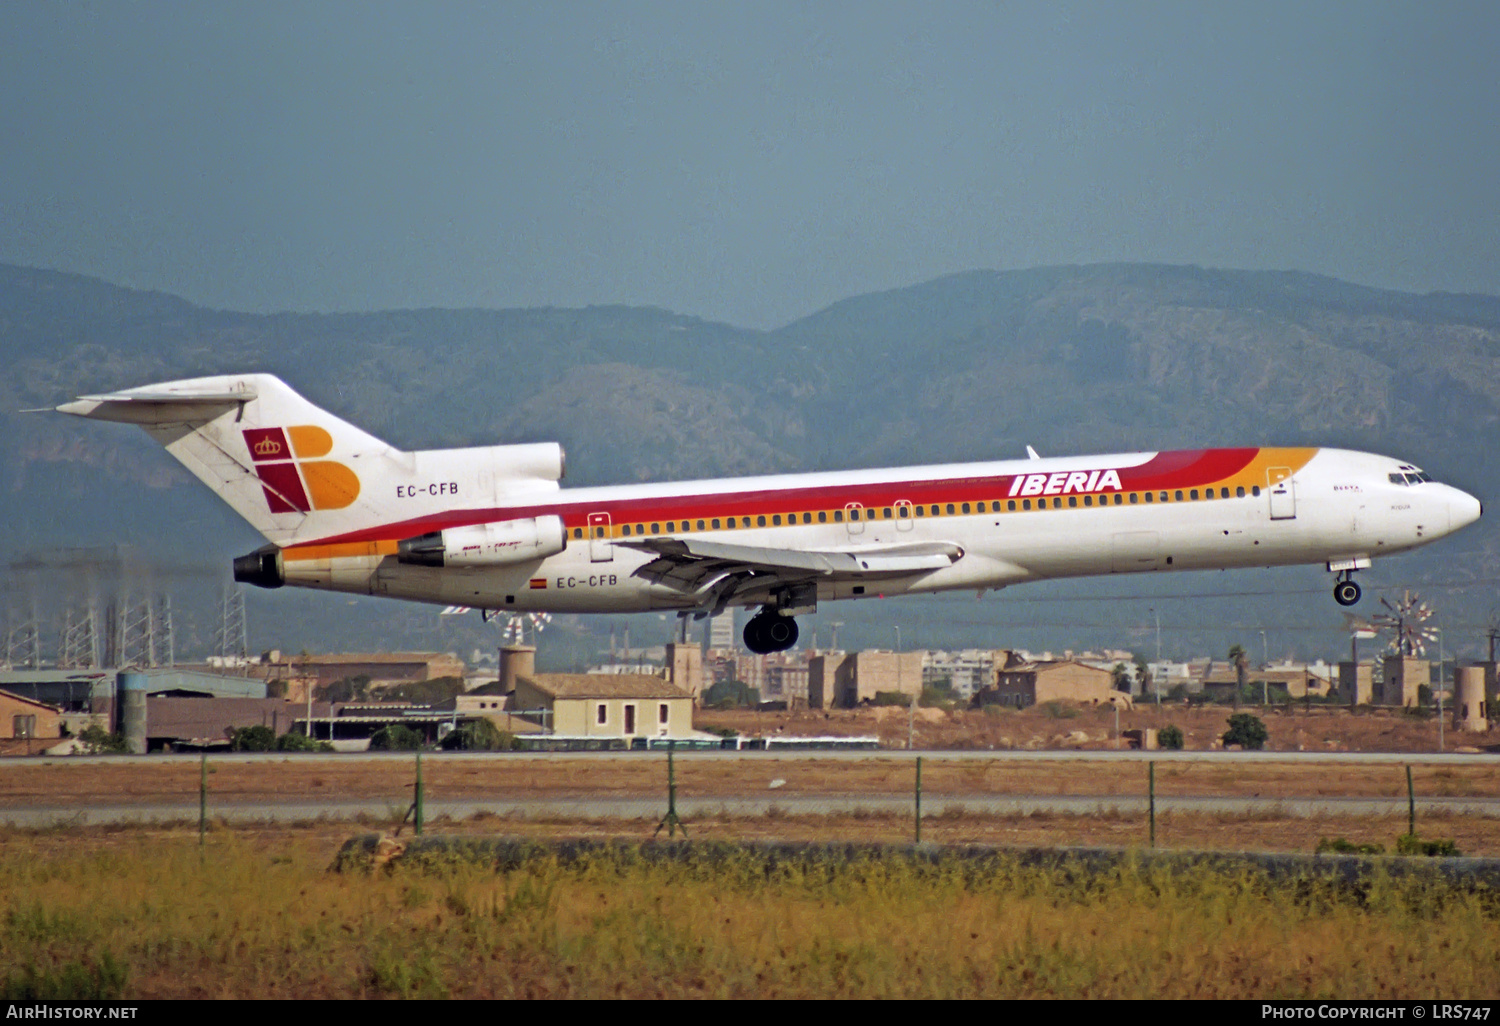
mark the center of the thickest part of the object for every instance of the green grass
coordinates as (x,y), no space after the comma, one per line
(136,917)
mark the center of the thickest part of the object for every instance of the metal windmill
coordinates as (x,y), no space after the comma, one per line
(514,631)
(1406,624)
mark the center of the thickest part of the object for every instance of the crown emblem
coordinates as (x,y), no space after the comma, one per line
(267,447)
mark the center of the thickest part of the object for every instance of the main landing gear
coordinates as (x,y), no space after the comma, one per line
(1346,592)
(769,631)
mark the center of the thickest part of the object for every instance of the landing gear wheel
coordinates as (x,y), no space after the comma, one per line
(769,632)
(781,632)
(755,638)
(1346,593)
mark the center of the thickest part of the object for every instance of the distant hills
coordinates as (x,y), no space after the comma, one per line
(969,366)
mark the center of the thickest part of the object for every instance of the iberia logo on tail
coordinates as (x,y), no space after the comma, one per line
(293,476)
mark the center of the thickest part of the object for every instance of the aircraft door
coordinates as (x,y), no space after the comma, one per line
(1283,493)
(601,549)
(903,515)
(854,515)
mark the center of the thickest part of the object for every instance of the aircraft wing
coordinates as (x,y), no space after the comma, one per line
(716,571)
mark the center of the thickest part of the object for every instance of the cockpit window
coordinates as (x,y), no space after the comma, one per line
(1409,479)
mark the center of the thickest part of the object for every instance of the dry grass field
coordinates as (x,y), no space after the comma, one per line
(256,913)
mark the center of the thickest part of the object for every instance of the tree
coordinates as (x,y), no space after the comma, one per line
(1143,674)
(1119,677)
(1246,730)
(253,739)
(731,694)
(98,741)
(396,737)
(1241,670)
(1170,737)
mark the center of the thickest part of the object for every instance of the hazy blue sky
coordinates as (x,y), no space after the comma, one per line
(746,162)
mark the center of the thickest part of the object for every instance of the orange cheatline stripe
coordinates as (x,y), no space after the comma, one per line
(299,553)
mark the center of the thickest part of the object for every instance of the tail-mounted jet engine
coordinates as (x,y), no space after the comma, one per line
(501,543)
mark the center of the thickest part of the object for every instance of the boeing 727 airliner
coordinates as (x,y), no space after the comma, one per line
(492,528)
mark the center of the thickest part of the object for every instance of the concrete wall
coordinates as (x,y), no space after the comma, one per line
(1356,683)
(1403,675)
(685,667)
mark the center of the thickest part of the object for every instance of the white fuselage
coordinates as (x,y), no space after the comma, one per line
(1014,521)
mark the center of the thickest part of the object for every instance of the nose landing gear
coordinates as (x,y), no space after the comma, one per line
(1345,591)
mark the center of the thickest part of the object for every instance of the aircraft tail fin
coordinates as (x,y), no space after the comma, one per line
(285,465)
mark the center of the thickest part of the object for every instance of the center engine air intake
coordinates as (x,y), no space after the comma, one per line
(501,543)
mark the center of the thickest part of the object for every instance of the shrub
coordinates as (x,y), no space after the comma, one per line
(936,698)
(481,736)
(253,739)
(1059,710)
(900,698)
(1411,844)
(396,737)
(1246,730)
(301,743)
(1339,846)
(98,741)
(731,694)
(1170,737)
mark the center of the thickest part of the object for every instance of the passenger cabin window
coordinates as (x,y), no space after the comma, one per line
(887,513)
(1072,502)
(715,523)
(625,529)
(577,532)
(776,520)
(980,507)
(1239,492)
(822,517)
(1150,496)
(1010,504)
(1025,504)
(950,509)
(903,511)
(1255,490)
(838,516)
(966,507)
(1194,495)
(1177,495)
(1088,500)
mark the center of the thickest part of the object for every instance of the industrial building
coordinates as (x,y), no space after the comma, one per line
(847,680)
(1020,683)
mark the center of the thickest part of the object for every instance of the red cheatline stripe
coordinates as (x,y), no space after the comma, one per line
(1181,469)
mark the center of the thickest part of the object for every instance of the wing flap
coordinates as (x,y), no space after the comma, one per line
(696,565)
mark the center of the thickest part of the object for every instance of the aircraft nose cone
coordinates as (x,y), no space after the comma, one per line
(1463,510)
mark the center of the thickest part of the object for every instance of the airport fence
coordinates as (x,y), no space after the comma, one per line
(957,797)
